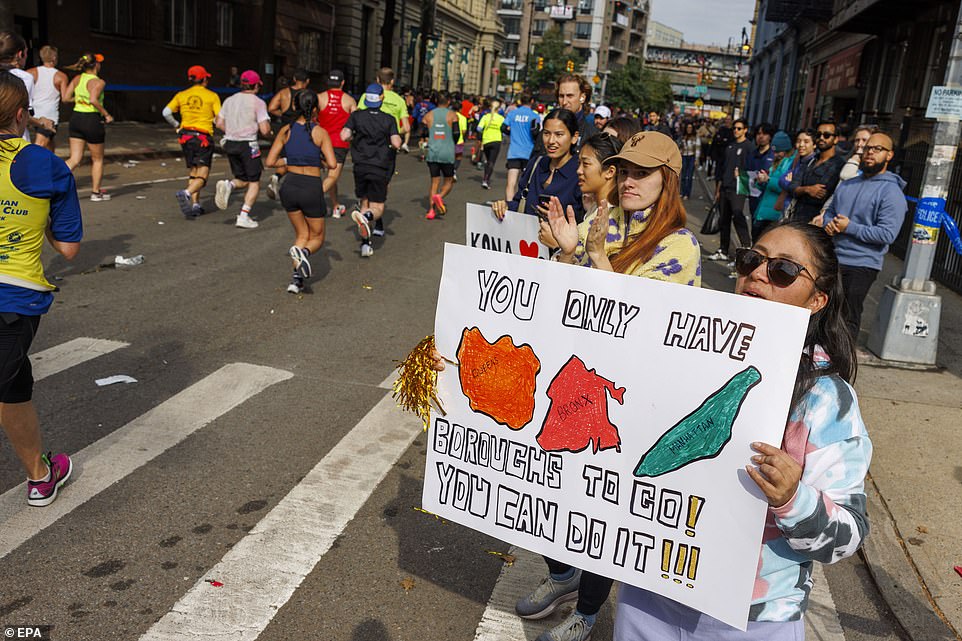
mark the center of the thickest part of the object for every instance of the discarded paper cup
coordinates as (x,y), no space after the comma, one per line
(129,262)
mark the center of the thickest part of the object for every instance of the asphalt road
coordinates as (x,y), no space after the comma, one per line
(198,477)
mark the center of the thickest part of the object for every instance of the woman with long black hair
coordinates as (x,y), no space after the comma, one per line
(306,147)
(814,482)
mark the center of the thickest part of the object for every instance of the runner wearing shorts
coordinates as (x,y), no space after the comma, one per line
(49,86)
(198,106)
(47,205)
(241,118)
(367,130)
(303,147)
(334,107)
(394,105)
(440,127)
(88,119)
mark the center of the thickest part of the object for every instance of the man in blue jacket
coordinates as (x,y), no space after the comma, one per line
(865,216)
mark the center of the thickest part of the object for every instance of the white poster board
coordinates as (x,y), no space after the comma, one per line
(516,234)
(606,420)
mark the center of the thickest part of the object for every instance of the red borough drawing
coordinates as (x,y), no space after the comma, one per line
(498,378)
(578,416)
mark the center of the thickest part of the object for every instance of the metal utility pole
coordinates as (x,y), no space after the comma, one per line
(909,311)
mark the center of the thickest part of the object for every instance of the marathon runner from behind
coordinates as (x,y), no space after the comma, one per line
(334,107)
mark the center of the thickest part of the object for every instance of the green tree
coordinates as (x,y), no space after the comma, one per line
(636,86)
(555,56)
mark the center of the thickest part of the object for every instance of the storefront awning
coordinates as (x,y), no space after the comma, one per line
(841,71)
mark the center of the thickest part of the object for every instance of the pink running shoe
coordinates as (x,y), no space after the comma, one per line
(438,203)
(430,214)
(43,493)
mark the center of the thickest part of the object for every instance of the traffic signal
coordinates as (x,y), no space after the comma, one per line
(570,66)
(540,62)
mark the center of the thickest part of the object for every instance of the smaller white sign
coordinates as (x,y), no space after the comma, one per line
(562,12)
(516,234)
(945,103)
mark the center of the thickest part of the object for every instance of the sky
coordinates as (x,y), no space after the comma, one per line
(705,21)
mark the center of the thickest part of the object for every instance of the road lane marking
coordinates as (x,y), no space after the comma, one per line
(499,621)
(264,569)
(103,463)
(66,355)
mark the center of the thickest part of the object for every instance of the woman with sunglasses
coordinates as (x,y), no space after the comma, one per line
(814,481)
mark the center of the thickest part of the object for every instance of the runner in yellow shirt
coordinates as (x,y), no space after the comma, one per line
(490,129)
(198,106)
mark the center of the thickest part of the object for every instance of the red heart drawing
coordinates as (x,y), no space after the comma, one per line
(529,249)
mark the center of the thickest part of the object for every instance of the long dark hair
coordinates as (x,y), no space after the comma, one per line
(826,328)
(626,127)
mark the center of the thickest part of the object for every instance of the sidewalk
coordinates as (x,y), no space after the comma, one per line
(131,141)
(915,486)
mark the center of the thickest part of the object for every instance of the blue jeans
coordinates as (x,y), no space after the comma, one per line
(687,173)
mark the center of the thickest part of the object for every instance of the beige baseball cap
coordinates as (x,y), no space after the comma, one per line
(650,149)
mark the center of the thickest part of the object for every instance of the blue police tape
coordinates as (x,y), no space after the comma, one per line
(930,212)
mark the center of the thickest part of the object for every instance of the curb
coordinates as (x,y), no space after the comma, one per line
(897,577)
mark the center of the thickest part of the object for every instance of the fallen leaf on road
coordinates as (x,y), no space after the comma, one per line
(216,584)
(922,529)
(407,583)
(366,286)
(508,559)
(421,509)
(958,570)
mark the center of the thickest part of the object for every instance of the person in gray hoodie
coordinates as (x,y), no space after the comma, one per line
(864,217)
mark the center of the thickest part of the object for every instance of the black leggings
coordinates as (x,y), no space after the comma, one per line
(592,591)
(491,151)
(732,213)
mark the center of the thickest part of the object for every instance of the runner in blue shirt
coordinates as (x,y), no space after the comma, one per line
(521,125)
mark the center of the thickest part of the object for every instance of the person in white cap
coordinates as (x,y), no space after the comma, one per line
(602,116)
(241,118)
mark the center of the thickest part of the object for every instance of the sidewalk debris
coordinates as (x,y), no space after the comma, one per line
(129,262)
(118,378)
(508,559)
(407,584)
(216,584)
(958,570)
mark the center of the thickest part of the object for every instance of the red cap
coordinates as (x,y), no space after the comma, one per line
(197,72)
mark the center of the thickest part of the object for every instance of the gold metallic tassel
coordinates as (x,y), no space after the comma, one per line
(416,386)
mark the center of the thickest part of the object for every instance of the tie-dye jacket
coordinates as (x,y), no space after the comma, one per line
(825,521)
(677,257)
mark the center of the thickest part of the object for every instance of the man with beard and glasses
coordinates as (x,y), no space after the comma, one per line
(815,182)
(865,217)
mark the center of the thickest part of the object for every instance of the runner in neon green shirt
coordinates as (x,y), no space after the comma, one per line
(490,129)
(394,105)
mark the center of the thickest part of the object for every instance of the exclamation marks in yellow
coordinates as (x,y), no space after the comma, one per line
(685,565)
(695,504)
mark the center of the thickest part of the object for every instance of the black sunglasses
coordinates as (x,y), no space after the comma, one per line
(827,134)
(782,272)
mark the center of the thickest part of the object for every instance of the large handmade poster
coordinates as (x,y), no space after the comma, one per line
(516,234)
(606,420)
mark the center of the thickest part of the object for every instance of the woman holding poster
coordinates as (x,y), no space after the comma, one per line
(554,174)
(814,483)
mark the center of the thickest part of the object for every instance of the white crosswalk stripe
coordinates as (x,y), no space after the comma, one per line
(70,354)
(101,464)
(266,567)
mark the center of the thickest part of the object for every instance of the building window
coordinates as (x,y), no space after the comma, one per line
(540,5)
(180,16)
(111,16)
(310,50)
(538,27)
(512,26)
(510,50)
(586,7)
(583,30)
(512,5)
(225,24)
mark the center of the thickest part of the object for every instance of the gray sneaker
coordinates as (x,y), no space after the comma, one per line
(548,596)
(573,628)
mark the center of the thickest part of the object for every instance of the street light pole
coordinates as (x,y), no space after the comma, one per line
(909,310)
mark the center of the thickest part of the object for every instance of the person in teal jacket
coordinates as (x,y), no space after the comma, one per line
(765,213)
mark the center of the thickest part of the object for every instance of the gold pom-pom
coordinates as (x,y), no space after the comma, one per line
(416,386)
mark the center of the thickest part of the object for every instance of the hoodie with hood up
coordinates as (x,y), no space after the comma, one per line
(876,209)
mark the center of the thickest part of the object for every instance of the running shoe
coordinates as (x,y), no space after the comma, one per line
(197,210)
(338,211)
(574,628)
(296,286)
(430,215)
(245,221)
(548,596)
(183,200)
(222,193)
(405,148)
(43,493)
(485,185)
(718,255)
(438,203)
(301,265)
(366,250)
(455,176)
(363,223)
(273,187)
(99,196)
(378,228)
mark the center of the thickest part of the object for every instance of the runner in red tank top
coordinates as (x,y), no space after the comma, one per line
(333,109)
